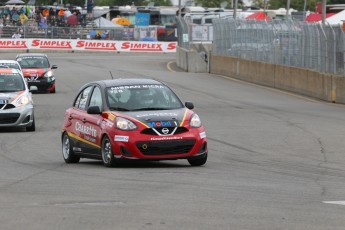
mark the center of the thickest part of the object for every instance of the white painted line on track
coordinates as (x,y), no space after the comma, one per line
(340,202)
(168,66)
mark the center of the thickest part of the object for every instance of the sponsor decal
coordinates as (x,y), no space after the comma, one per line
(165,138)
(158,124)
(89,130)
(153,47)
(172,46)
(91,139)
(76,149)
(54,44)
(109,123)
(121,138)
(96,45)
(13,44)
(157,115)
(202,135)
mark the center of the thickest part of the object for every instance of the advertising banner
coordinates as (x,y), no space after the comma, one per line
(88,45)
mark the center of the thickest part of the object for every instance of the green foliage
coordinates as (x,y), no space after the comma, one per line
(335,2)
(295,4)
(215,3)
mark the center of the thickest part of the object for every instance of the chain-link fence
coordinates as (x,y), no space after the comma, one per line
(90,31)
(293,43)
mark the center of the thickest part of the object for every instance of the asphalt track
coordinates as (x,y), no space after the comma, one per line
(276,160)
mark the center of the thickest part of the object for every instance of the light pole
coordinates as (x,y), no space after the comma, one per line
(179,8)
(323,12)
(287,9)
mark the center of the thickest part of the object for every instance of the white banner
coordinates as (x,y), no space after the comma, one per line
(88,45)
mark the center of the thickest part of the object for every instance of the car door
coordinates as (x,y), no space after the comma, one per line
(77,130)
(92,122)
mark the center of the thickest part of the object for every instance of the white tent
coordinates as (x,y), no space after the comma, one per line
(15,2)
(336,19)
(104,23)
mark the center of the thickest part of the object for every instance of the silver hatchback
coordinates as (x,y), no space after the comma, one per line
(16,104)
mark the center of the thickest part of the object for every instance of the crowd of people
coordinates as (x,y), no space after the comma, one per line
(41,16)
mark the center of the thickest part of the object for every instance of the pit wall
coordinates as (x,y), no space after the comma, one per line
(306,82)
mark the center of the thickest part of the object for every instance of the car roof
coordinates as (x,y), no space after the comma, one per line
(8,71)
(8,61)
(128,81)
(31,55)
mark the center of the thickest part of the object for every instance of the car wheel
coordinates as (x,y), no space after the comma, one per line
(32,127)
(107,153)
(67,151)
(198,161)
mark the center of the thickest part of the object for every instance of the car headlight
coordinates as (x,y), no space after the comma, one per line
(195,121)
(48,74)
(21,101)
(124,124)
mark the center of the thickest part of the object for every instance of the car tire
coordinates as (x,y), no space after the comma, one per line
(107,153)
(198,161)
(32,127)
(53,91)
(67,151)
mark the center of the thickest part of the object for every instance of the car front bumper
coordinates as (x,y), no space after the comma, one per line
(42,83)
(17,117)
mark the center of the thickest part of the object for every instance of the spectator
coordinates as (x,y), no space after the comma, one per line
(17,35)
(15,17)
(61,14)
(21,10)
(45,12)
(43,22)
(13,11)
(23,19)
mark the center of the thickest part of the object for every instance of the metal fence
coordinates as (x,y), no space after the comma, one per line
(142,33)
(292,43)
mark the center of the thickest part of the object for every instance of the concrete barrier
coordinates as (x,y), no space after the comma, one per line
(306,82)
(191,60)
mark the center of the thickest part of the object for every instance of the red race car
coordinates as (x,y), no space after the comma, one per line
(134,119)
(37,71)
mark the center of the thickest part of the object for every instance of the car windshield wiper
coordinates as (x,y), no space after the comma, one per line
(150,108)
(119,109)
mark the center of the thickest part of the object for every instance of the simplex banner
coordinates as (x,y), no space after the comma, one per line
(88,45)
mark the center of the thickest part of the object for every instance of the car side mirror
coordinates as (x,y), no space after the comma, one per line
(189,105)
(94,110)
(33,88)
(54,67)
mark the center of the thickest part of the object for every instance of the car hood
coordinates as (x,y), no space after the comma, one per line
(34,72)
(9,97)
(160,118)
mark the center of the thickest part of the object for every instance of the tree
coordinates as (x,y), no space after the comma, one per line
(335,2)
(295,4)
(216,3)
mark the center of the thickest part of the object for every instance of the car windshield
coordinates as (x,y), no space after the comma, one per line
(141,98)
(33,62)
(9,65)
(11,83)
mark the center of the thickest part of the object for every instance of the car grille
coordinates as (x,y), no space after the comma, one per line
(9,118)
(6,106)
(165,147)
(150,131)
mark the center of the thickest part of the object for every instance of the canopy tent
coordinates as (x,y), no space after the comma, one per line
(258,16)
(15,2)
(315,17)
(104,23)
(121,21)
(337,19)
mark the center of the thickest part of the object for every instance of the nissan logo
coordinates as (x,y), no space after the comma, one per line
(165,130)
